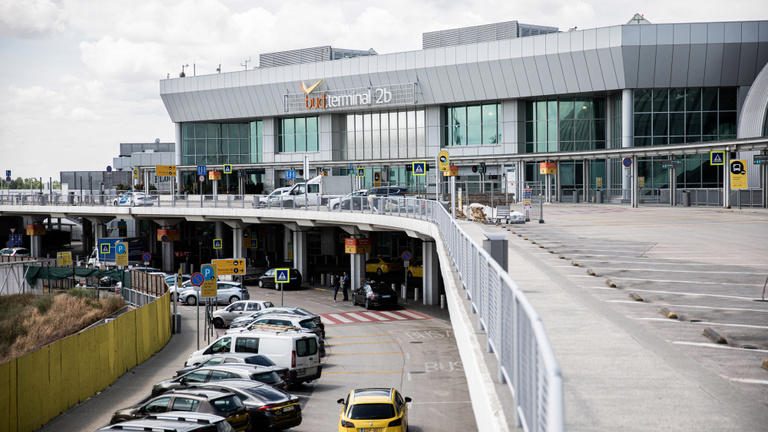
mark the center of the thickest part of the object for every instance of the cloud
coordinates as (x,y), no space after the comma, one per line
(29,18)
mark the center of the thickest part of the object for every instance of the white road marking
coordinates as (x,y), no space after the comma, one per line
(393,315)
(357,316)
(694,271)
(688,306)
(717,346)
(375,316)
(604,288)
(413,315)
(667,320)
(746,380)
(683,293)
(731,284)
(339,317)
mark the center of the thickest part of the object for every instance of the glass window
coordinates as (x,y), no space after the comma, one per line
(371,411)
(709,123)
(566,110)
(728,99)
(313,135)
(247,344)
(677,124)
(300,129)
(693,99)
(709,99)
(727,127)
(642,124)
(474,125)
(677,100)
(159,405)
(660,125)
(660,100)
(642,100)
(306,347)
(288,135)
(490,128)
(185,404)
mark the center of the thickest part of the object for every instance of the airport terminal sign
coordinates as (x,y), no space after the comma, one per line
(315,96)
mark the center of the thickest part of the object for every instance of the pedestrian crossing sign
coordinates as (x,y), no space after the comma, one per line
(717,157)
(104,248)
(419,168)
(282,275)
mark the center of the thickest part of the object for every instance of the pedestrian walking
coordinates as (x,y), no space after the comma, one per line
(336,283)
(345,286)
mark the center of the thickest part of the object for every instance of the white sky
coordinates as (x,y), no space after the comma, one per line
(77,77)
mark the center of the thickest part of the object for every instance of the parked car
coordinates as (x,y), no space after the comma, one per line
(375,409)
(222,317)
(178,421)
(133,199)
(335,203)
(227,292)
(14,251)
(266,374)
(274,198)
(388,191)
(382,265)
(268,408)
(296,322)
(374,294)
(224,404)
(170,280)
(267,279)
(245,320)
(416,269)
(229,358)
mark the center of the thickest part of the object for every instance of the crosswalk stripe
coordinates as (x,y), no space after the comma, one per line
(375,316)
(339,317)
(393,315)
(413,315)
(357,317)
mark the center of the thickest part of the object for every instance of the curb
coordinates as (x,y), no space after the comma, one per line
(636,297)
(716,337)
(611,283)
(765,364)
(668,313)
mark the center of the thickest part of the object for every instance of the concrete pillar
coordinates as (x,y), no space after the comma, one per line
(168,258)
(634,184)
(287,245)
(87,238)
(627,132)
(727,180)
(356,270)
(585,171)
(300,253)
(237,242)
(177,156)
(431,294)
(218,232)
(497,245)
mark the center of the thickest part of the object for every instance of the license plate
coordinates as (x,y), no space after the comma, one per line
(386,296)
(307,371)
(288,408)
(369,429)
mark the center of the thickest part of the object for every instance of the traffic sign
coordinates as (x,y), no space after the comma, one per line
(165,170)
(64,259)
(282,275)
(419,168)
(201,170)
(146,257)
(121,254)
(218,244)
(209,284)
(229,266)
(7,175)
(406,255)
(738,169)
(290,174)
(759,159)
(717,157)
(105,248)
(201,178)
(443,160)
(227,169)
(214,175)
(135,173)
(627,162)
(197,279)
(361,172)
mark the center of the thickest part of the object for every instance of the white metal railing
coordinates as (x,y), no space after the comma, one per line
(516,334)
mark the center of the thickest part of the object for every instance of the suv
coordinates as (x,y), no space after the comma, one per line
(227,292)
(224,404)
(179,421)
(266,374)
(223,317)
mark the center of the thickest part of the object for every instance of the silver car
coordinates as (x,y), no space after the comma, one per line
(227,292)
(223,317)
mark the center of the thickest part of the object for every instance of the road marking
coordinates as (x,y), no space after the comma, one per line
(682,293)
(374,372)
(337,354)
(393,315)
(667,320)
(746,380)
(375,316)
(414,315)
(694,271)
(338,317)
(357,317)
(365,336)
(441,402)
(730,284)
(717,346)
(362,343)
(688,306)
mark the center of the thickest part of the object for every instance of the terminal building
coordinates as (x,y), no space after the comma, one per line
(501,98)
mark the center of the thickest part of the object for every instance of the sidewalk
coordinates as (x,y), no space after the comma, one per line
(618,375)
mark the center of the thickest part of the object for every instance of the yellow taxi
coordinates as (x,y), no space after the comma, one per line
(374,410)
(382,265)
(416,269)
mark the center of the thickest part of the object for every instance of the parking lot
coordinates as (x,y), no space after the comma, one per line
(410,348)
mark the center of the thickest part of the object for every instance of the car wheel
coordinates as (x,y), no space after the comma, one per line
(379,272)
(261,283)
(218,322)
(191,300)
(233,299)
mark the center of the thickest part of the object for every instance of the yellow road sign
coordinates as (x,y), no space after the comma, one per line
(209,288)
(443,160)
(63,259)
(738,169)
(165,170)
(229,266)
(121,254)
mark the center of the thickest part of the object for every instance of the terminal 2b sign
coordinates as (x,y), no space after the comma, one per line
(312,98)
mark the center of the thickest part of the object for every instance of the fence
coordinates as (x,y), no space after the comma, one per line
(40,385)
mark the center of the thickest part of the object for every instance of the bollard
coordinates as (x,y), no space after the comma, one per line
(176,323)
(442,301)
(403,291)
(416,295)
(322,279)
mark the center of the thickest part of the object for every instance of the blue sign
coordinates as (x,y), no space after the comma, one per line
(290,174)
(227,169)
(197,279)
(14,240)
(146,257)
(419,168)
(627,162)
(217,243)
(207,270)
(7,175)
(201,170)
(282,275)
(406,255)
(120,249)
(105,248)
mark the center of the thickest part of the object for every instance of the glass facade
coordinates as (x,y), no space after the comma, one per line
(573,124)
(385,135)
(298,135)
(473,125)
(683,115)
(221,143)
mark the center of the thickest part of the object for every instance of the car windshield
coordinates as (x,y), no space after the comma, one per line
(266,377)
(371,411)
(266,394)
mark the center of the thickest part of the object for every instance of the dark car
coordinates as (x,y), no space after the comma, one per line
(388,191)
(178,421)
(268,407)
(229,358)
(374,294)
(224,404)
(267,279)
(266,374)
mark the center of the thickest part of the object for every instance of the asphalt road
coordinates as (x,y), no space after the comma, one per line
(415,353)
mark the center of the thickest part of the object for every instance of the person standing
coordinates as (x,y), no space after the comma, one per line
(337,281)
(345,286)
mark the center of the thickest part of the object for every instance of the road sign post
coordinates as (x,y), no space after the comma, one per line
(197,279)
(282,276)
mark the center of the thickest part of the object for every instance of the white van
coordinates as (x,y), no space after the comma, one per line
(294,350)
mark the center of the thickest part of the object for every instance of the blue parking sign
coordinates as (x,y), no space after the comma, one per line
(202,170)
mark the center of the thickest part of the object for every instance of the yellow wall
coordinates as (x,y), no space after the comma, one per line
(41,385)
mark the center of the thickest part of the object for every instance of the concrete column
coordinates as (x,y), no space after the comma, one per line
(585,171)
(237,242)
(431,295)
(287,245)
(356,271)
(727,180)
(627,132)
(218,232)
(168,258)
(497,245)
(764,183)
(300,253)
(177,156)
(634,195)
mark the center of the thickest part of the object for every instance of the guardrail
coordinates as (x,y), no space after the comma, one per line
(515,332)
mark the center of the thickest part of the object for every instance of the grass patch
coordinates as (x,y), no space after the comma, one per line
(28,321)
